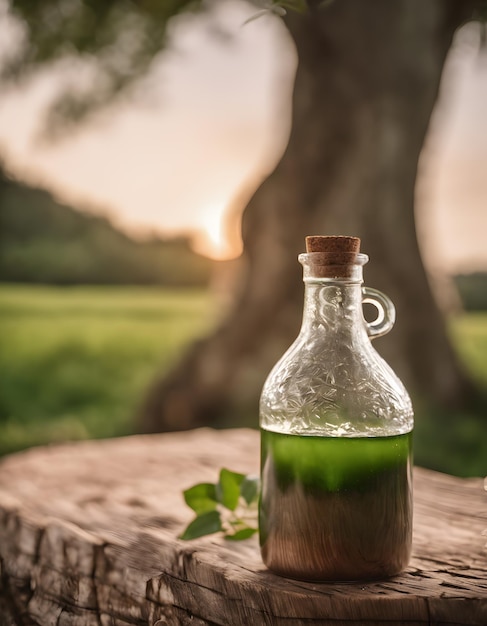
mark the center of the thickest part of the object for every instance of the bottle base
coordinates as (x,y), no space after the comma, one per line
(337,578)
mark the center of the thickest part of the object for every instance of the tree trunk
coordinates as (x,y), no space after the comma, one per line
(366,84)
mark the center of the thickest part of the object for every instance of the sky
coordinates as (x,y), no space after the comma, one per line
(217,120)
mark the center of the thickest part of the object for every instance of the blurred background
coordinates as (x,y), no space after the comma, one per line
(121,210)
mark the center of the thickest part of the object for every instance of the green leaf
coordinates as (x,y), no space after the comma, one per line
(228,488)
(201,498)
(205,524)
(245,533)
(249,489)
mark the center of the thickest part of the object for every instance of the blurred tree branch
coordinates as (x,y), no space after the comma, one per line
(117,39)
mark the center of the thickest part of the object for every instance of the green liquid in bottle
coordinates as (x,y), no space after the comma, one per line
(335,508)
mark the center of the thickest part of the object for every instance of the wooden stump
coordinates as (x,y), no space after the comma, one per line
(88,536)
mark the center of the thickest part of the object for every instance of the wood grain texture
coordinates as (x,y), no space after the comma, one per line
(88,536)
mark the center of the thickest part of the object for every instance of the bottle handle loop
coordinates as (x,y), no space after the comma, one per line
(386,312)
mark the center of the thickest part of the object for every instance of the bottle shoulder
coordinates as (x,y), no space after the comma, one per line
(334,390)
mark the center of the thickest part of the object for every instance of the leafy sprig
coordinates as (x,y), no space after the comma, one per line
(228,506)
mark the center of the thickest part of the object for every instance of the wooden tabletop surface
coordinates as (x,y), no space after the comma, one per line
(88,536)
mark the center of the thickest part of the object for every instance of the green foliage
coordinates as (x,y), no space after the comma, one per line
(76,361)
(455,441)
(469,335)
(117,39)
(450,441)
(229,506)
(42,241)
(203,524)
(202,498)
(473,290)
(228,489)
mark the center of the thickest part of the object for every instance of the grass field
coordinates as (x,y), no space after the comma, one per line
(74,364)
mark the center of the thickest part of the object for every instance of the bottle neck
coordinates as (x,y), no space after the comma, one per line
(333,306)
(333,295)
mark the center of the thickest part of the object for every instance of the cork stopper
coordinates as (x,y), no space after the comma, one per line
(332,256)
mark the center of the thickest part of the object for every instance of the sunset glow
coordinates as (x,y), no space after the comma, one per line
(211,240)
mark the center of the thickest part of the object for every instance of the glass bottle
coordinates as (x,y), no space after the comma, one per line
(336,430)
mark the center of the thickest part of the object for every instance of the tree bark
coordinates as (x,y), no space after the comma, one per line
(366,84)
